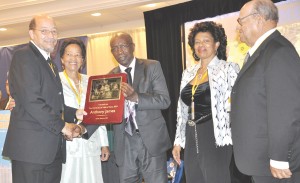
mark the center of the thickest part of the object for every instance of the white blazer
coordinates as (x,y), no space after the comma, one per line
(222,76)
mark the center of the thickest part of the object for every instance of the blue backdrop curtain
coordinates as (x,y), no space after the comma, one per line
(6,54)
(5,60)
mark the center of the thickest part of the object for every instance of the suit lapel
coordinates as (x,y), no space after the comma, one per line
(138,74)
(248,64)
(46,65)
(115,70)
(256,54)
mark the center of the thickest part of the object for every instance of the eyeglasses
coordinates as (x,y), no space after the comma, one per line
(47,32)
(123,47)
(77,56)
(239,20)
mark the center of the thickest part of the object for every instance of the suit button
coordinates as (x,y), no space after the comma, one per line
(59,93)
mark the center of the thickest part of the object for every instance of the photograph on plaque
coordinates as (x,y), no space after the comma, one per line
(105,89)
(104,99)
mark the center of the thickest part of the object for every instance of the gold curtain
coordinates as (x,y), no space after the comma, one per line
(99,58)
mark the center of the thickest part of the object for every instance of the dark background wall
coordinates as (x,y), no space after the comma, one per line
(163,35)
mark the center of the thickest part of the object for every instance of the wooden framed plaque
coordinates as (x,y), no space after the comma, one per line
(104,102)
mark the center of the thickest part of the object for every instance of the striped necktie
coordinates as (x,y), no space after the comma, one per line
(246,58)
(129,126)
(51,65)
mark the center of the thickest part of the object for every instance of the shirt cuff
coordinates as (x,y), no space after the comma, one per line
(83,129)
(279,164)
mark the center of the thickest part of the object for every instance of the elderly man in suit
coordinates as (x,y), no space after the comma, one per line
(141,150)
(265,102)
(35,138)
(142,139)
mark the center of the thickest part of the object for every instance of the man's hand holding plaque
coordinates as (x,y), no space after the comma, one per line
(128,92)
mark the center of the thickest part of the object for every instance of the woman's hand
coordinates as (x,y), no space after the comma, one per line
(105,153)
(176,154)
(10,104)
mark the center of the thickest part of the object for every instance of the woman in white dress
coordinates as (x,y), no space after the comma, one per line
(83,163)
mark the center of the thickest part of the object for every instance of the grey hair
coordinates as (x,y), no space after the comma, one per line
(267,9)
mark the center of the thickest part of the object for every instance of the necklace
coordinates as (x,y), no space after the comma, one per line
(77,94)
(191,122)
(201,77)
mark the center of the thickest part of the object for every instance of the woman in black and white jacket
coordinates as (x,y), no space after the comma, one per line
(203,126)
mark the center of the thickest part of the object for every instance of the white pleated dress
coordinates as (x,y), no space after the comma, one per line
(83,163)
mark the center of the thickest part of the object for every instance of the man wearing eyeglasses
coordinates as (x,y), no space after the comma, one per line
(35,138)
(142,139)
(265,102)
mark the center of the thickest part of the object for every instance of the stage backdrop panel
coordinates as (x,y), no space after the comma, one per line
(6,54)
(5,165)
(288,25)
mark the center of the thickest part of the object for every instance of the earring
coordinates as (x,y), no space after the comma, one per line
(195,56)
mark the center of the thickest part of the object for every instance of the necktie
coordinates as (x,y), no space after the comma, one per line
(246,58)
(129,126)
(129,78)
(51,65)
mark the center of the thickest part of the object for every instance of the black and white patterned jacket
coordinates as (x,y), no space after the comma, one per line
(222,76)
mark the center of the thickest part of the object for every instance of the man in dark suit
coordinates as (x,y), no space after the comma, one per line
(34,140)
(141,150)
(265,102)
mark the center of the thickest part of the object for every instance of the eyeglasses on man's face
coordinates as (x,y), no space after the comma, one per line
(46,32)
(239,20)
(123,47)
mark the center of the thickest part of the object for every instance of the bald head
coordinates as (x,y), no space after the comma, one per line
(255,19)
(122,48)
(122,35)
(33,22)
(43,32)
(265,8)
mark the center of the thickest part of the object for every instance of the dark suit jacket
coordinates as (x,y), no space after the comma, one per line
(265,108)
(3,103)
(149,82)
(35,124)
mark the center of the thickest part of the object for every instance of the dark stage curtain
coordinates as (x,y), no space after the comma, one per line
(163,35)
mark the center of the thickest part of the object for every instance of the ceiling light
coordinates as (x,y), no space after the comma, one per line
(151,5)
(3,29)
(96,14)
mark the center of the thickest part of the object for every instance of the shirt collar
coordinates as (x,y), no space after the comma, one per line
(213,62)
(45,54)
(132,65)
(260,40)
